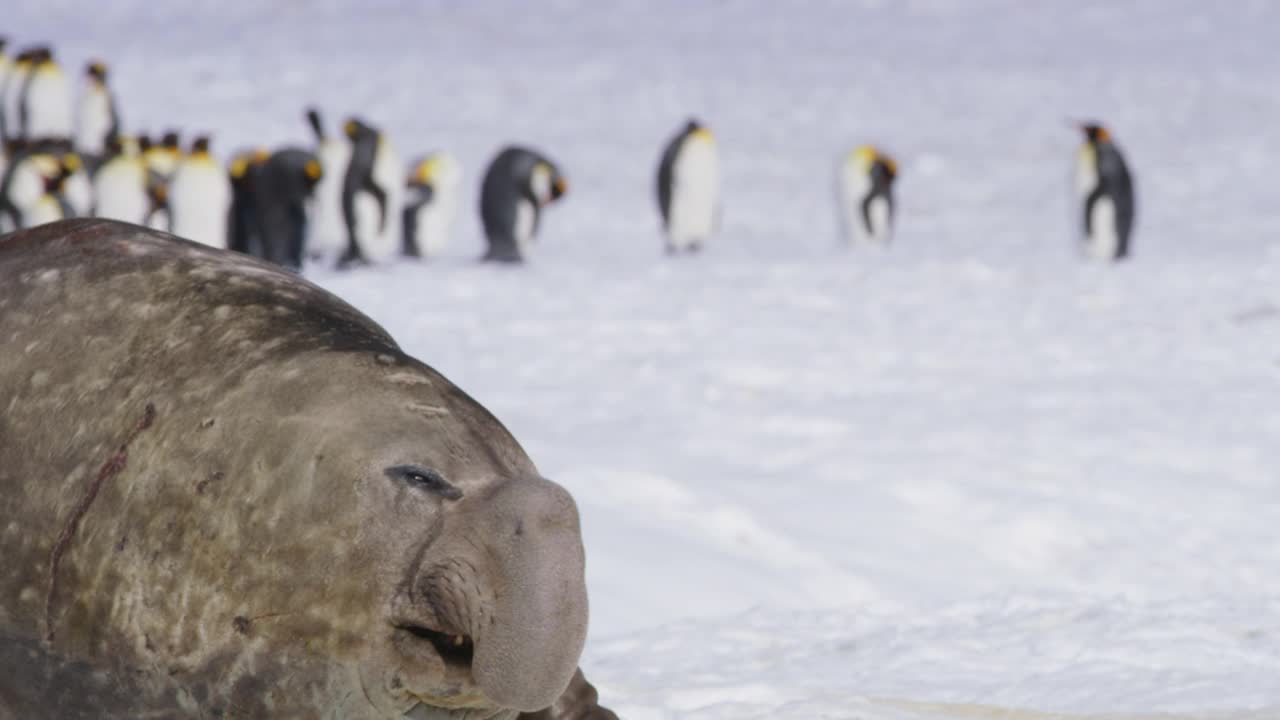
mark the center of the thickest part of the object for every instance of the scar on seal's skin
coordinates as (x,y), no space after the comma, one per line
(110,469)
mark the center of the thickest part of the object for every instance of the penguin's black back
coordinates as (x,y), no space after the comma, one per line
(1116,183)
(666,169)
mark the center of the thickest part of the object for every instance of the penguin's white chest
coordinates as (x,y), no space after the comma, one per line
(199,200)
(119,191)
(695,192)
(853,188)
(435,220)
(25,189)
(46,210)
(12,98)
(49,105)
(526,224)
(327,228)
(1103,241)
(93,119)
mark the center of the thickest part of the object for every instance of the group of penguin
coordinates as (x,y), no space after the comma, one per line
(346,201)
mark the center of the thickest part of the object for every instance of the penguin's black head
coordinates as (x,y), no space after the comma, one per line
(3,42)
(170,141)
(692,125)
(114,145)
(41,55)
(144,142)
(97,70)
(355,128)
(1095,133)
(200,144)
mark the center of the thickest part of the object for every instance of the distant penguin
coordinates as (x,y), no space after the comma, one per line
(53,205)
(45,105)
(372,194)
(864,191)
(326,229)
(97,120)
(689,188)
(244,235)
(431,201)
(283,187)
(26,181)
(162,158)
(517,185)
(6,68)
(200,197)
(120,185)
(1104,190)
(11,95)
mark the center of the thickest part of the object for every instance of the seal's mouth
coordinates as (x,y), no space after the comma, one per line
(456,651)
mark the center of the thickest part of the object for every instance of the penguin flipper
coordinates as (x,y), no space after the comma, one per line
(313,119)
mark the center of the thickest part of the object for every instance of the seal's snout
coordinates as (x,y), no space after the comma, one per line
(509,594)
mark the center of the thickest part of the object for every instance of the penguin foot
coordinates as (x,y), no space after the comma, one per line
(351,260)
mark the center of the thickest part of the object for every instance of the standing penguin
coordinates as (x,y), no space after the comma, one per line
(243,232)
(689,188)
(371,196)
(27,179)
(11,95)
(200,197)
(431,203)
(96,118)
(53,205)
(45,105)
(6,68)
(1104,189)
(282,190)
(120,185)
(327,229)
(517,185)
(864,191)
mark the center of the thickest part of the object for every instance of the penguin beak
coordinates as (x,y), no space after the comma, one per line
(559,188)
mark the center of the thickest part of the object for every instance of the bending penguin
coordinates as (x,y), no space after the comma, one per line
(372,193)
(327,229)
(517,185)
(689,188)
(120,185)
(282,190)
(1104,190)
(96,119)
(865,195)
(430,205)
(200,197)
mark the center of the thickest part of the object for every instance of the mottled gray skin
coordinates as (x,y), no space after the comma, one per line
(197,520)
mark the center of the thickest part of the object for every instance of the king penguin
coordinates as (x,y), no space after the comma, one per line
(372,193)
(326,229)
(200,197)
(6,69)
(864,192)
(11,95)
(282,191)
(431,203)
(519,183)
(27,179)
(45,106)
(689,188)
(1104,190)
(53,205)
(243,232)
(96,118)
(120,185)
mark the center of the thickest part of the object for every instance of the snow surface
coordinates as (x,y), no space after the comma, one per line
(971,476)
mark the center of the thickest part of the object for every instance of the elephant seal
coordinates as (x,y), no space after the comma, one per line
(225,493)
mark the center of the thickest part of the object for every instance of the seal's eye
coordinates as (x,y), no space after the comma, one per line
(424,479)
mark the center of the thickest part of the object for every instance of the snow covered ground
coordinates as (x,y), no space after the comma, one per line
(969,477)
